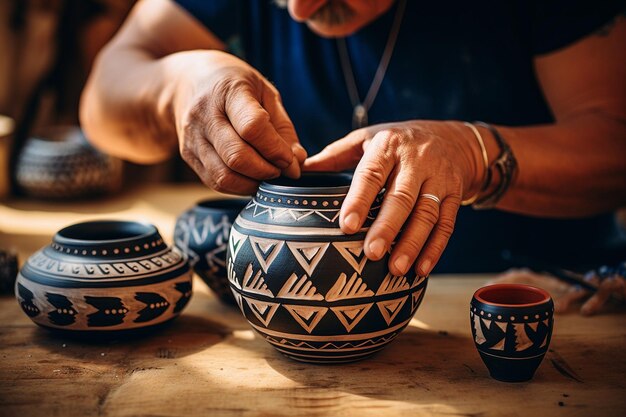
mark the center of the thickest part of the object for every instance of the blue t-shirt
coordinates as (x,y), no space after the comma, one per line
(453,60)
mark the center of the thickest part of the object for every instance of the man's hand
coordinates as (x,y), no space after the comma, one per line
(232,127)
(409,159)
(565,295)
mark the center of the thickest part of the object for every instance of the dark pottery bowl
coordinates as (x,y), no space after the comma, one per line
(104,276)
(202,233)
(512,326)
(306,287)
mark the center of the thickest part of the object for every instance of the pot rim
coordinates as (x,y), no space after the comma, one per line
(223,204)
(61,237)
(284,185)
(479,295)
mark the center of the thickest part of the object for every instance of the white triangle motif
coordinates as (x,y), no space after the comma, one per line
(390,308)
(235,242)
(417,281)
(308,254)
(300,289)
(307,316)
(522,342)
(392,284)
(350,316)
(416,299)
(255,283)
(353,253)
(263,310)
(230,273)
(266,250)
(480,336)
(346,289)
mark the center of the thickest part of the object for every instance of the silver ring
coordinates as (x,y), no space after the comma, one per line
(432,197)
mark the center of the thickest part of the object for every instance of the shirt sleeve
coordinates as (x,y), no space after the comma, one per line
(559,23)
(222,17)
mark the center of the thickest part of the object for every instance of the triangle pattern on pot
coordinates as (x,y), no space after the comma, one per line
(350,316)
(415,299)
(308,254)
(307,316)
(232,276)
(299,288)
(392,284)
(390,308)
(239,300)
(344,288)
(255,283)
(417,281)
(266,250)
(263,310)
(353,253)
(235,242)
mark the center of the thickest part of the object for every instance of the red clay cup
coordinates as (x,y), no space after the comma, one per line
(512,326)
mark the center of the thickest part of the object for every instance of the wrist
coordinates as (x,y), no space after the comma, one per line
(475,169)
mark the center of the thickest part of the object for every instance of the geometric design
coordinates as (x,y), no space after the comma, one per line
(306,316)
(533,325)
(390,308)
(350,316)
(230,273)
(308,254)
(235,242)
(238,300)
(480,336)
(156,305)
(499,345)
(502,325)
(110,311)
(266,250)
(417,281)
(263,310)
(64,314)
(299,289)
(393,284)
(522,342)
(487,323)
(183,287)
(27,301)
(415,299)
(255,284)
(353,253)
(346,289)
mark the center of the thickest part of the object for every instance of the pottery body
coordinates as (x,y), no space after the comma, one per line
(104,276)
(202,233)
(512,327)
(62,164)
(307,288)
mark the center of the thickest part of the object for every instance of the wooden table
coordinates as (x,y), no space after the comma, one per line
(210,363)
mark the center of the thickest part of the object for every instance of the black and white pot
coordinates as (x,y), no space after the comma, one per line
(305,286)
(104,276)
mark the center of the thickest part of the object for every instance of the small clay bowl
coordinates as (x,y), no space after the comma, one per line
(104,277)
(202,233)
(512,326)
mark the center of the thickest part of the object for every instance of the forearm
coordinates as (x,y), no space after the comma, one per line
(573,168)
(126,107)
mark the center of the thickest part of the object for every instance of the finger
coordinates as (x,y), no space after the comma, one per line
(340,155)
(236,153)
(440,235)
(282,123)
(217,176)
(597,301)
(563,302)
(253,124)
(396,208)
(423,219)
(369,178)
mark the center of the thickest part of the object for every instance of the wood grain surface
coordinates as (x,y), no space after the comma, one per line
(209,362)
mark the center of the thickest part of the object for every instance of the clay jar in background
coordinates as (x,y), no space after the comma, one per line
(104,276)
(305,286)
(202,233)
(512,326)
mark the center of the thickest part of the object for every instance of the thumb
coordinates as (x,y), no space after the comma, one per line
(340,155)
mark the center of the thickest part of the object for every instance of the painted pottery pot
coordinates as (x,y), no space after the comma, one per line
(62,164)
(512,326)
(202,233)
(306,287)
(104,276)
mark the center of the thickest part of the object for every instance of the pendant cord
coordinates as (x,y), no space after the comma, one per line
(348,73)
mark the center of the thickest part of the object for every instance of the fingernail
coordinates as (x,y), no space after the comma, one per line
(425,267)
(352,221)
(402,264)
(377,247)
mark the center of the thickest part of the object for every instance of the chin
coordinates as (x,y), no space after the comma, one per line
(333,31)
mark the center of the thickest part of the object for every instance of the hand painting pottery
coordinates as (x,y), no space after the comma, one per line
(61,164)
(202,233)
(306,287)
(511,325)
(104,277)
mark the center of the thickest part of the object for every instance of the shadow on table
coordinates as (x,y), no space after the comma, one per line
(184,336)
